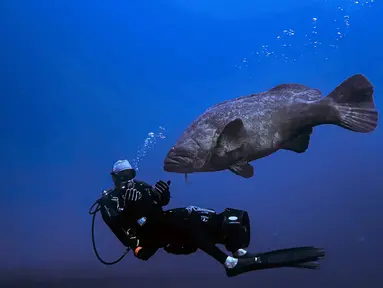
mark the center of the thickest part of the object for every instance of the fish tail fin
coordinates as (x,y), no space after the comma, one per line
(354,104)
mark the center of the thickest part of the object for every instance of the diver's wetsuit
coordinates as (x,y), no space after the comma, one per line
(144,227)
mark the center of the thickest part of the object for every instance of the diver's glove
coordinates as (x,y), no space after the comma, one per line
(144,253)
(162,190)
(132,195)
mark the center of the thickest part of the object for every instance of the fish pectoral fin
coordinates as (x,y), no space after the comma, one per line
(233,129)
(232,137)
(300,143)
(244,170)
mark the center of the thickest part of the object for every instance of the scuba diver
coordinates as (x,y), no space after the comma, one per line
(133,210)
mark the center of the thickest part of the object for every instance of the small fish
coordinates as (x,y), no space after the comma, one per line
(233,133)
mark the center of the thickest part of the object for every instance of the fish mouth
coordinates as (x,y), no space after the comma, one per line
(174,168)
(173,165)
(170,167)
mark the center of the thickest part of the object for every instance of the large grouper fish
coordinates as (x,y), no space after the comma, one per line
(233,133)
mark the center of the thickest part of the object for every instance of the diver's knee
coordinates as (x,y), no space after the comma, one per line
(236,229)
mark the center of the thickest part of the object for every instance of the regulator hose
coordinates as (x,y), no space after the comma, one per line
(96,207)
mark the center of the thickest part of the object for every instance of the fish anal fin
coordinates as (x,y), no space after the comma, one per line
(298,144)
(244,170)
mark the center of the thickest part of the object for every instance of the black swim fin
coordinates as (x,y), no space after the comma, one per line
(299,257)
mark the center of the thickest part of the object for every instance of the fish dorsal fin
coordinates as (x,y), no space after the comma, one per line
(218,105)
(296,91)
(290,87)
(231,137)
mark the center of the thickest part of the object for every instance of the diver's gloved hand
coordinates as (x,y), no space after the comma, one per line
(133,195)
(163,190)
(144,253)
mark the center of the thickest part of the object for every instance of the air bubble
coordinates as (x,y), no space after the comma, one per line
(310,39)
(149,142)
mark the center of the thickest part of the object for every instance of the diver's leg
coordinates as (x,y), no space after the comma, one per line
(206,244)
(292,257)
(235,226)
(185,223)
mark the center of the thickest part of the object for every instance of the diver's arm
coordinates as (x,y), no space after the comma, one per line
(120,220)
(110,210)
(140,252)
(160,192)
(125,238)
(145,252)
(147,200)
(130,240)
